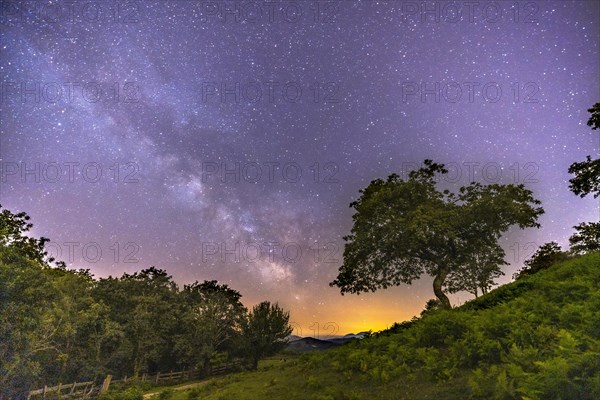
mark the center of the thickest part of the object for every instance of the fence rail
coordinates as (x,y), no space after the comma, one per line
(162,377)
(86,390)
(80,390)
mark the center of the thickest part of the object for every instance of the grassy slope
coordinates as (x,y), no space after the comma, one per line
(538,338)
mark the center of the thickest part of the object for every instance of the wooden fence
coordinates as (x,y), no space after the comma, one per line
(162,377)
(224,368)
(81,390)
(86,390)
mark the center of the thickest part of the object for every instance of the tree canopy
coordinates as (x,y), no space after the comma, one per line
(13,235)
(61,325)
(545,256)
(266,330)
(406,228)
(587,173)
(586,239)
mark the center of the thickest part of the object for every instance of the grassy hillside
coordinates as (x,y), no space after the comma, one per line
(537,338)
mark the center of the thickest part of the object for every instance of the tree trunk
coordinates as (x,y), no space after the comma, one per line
(438,281)
(137,366)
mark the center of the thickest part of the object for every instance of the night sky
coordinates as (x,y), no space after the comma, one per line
(225,140)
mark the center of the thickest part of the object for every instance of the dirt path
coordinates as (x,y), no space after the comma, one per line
(177,389)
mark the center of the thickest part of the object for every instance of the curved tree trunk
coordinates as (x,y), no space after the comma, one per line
(438,281)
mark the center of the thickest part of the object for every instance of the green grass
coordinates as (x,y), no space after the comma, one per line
(537,338)
(181,391)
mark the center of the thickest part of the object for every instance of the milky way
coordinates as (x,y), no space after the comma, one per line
(225,140)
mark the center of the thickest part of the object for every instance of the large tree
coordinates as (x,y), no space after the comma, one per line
(38,308)
(587,173)
(212,318)
(266,331)
(406,228)
(145,305)
(29,322)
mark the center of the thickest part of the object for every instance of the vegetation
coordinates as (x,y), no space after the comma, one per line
(544,257)
(403,229)
(586,238)
(60,325)
(478,273)
(537,338)
(587,173)
(266,331)
(131,393)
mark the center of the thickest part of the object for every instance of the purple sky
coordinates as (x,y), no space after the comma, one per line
(186,134)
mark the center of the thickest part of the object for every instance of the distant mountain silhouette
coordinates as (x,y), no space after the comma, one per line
(299,344)
(309,344)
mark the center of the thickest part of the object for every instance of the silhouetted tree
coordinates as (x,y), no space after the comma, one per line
(13,234)
(431,305)
(587,173)
(586,239)
(266,331)
(546,255)
(406,228)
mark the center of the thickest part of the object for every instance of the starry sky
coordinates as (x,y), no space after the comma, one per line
(225,140)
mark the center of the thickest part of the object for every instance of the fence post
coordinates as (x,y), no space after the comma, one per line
(157,377)
(45,390)
(106,384)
